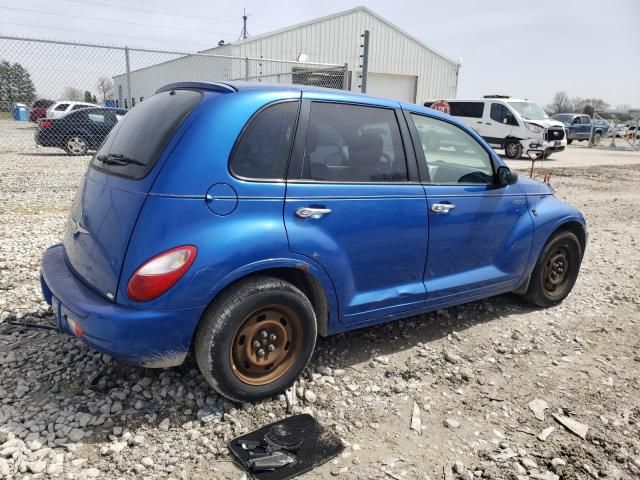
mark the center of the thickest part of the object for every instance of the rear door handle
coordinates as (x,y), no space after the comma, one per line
(442,207)
(309,212)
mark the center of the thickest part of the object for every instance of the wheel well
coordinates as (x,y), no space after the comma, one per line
(574,227)
(307,284)
(510,140)
(577,229)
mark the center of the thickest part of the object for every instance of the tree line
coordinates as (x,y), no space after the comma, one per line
(562,103)
(16,86)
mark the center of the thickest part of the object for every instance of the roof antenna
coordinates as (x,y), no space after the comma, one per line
(244,34)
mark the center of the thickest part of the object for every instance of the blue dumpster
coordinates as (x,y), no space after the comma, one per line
(110,103)
(20,112)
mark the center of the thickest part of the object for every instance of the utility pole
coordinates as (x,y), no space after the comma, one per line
(365,61)
(244,34)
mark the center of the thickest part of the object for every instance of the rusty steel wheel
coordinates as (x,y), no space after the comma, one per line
(266,345)
(256,338)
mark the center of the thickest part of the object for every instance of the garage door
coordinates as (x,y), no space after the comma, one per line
(398,87)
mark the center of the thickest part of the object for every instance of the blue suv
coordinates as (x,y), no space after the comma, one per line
(242,220)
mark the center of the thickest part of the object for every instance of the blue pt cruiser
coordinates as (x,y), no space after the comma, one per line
(242,220)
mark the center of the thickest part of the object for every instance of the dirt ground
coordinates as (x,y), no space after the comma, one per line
(469,373)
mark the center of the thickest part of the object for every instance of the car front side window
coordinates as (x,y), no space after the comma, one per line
(452,155)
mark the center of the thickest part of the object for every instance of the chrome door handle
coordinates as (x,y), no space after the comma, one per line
(307,212)
(442,207)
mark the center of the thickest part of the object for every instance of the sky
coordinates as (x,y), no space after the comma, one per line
(527,49)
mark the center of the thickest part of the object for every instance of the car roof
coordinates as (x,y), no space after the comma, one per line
(478,100)
(323,93)
(94,109)
(74,102)
(240,86)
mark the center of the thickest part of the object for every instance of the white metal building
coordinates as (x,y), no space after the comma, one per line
(400,66)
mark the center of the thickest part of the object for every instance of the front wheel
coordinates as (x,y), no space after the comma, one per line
(513,149)
(255,340)
(569,141)
(556,270)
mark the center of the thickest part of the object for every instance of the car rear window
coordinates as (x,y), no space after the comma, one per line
(138,139)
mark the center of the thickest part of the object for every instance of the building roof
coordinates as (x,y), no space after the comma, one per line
(337,15)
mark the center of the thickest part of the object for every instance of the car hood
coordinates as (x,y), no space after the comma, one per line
(546,123)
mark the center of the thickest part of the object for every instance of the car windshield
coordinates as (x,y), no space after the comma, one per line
(566,119)
(529,110)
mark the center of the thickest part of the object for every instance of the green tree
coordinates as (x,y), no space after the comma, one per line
(15,85)
(87,96)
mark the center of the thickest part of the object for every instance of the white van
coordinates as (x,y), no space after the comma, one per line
(514,125)
(61,108)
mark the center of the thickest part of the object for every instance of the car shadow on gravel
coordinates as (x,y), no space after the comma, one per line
(362,345)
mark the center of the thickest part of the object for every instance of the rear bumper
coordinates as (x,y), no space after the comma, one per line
(148,338)
(45,139)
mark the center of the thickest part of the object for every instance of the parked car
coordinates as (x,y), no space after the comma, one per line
(60,109)
(578,127)
(517,126)
(620,130)
(313,211)
(79,131)
(39,109)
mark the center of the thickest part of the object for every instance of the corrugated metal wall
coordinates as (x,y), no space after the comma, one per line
(335,39)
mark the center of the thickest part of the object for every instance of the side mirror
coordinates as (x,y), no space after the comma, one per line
(506,176)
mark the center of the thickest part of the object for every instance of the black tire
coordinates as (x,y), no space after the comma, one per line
(597,138)
(569,141)
(76,145)
(217,342)
(512,149)
(553,278)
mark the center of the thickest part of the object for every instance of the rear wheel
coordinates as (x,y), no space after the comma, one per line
(256,339)
(556,270)
(76,145)
(513,149)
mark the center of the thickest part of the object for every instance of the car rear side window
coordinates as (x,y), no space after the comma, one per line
(353,143)
(139,138)
(263,149)
(467,109)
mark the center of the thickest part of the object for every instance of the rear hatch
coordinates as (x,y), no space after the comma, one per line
(116,184)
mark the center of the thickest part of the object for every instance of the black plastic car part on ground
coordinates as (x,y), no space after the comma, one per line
(292,446)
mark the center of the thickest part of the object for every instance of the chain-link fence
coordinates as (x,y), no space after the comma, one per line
(69,95)
(619,128)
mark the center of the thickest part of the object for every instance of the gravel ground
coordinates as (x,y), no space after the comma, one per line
(492,389)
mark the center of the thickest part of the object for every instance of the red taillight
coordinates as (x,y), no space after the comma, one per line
(160,273)
(44,123)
